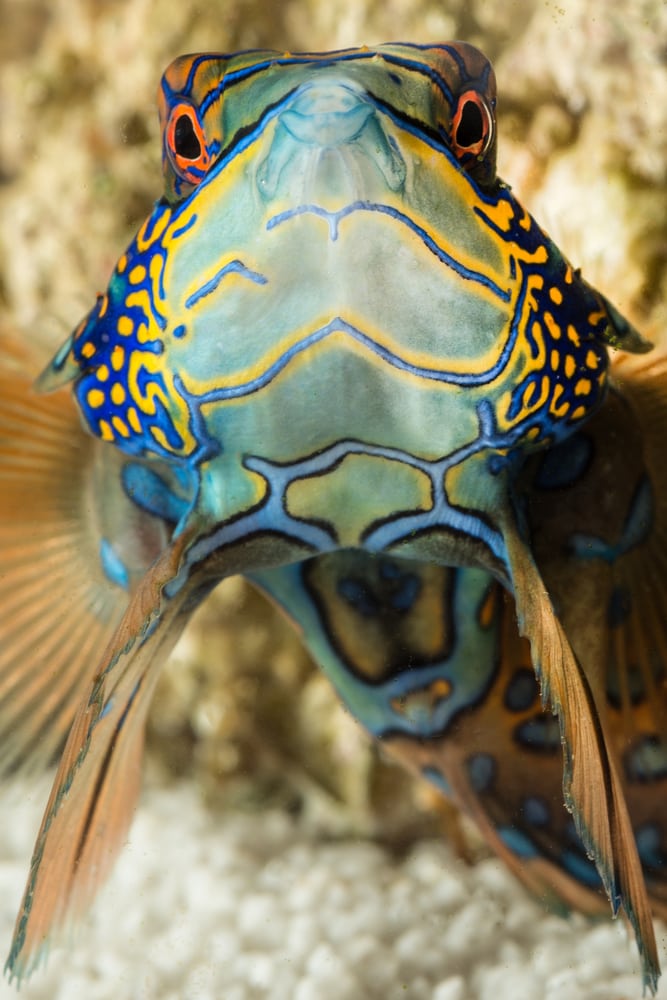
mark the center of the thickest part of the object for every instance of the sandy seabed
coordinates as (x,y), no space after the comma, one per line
(212,906)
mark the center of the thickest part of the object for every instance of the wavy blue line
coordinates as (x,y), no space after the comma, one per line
(339,325)
(234,267)
(368,206)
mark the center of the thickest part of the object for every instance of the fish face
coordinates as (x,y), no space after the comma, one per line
(333,230)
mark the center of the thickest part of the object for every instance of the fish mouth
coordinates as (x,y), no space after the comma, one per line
(330,136)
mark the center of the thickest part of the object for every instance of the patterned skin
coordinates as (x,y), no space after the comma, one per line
(340,358)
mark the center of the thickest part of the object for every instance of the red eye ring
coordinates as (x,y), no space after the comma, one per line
(185,143)
(472,125)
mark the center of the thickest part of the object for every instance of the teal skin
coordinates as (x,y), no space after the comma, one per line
(325,360)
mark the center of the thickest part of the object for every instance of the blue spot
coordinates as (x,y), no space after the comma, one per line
(359,596)
(564,464)
(535,811)
(646,760)
(649,847)
(113,566)
(581,868)
(438,779)
(517,842)
(180,330)
(541,734)
(406,595)
(620,606)
(522,690)
(145,488)
(482,771)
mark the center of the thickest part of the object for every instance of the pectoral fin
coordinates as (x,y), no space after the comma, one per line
(591,784)
(98,779)
(58,607)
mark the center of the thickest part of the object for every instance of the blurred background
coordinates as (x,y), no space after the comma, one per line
(582,140)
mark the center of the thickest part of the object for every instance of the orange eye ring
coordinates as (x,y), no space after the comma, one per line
(472,125)
(186,144)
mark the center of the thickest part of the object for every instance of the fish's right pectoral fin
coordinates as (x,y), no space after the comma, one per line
(63,518)
(98,780)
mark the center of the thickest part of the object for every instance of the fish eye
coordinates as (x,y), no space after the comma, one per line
(185,143)
(472,125)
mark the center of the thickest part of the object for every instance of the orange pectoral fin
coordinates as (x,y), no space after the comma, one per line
(97,783)
(591,784)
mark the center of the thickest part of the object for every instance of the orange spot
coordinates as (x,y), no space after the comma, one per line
(102,373)
(573,336)
(569,275)
(487,611)
(583,387)
(555,359)
(556,295)
(103,306)
(440,689)
(87,350)
(570,366)
(552,326)
(592,360)
(579,413)
(122,264)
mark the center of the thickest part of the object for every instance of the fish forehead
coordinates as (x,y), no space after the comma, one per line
(421,79)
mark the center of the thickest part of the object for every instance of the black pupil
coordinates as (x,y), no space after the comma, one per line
(471,126)
(186,142)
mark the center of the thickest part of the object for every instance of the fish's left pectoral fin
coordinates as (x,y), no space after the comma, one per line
(620,333)
(98,779)
(591,784)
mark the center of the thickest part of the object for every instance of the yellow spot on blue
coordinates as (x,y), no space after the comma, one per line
(573,335)
(87,350)
(118,394)
(133,420)
(102,373)
(555,359)
(122,264)
(583,387)
(95,398)
(592,360)
(120,426)
(570,366)
(105,430)
(556,295)
(137,274)
(117,358)
(125,326)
